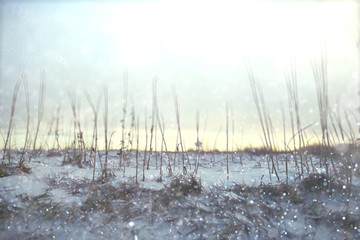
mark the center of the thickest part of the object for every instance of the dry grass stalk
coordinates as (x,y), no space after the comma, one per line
(124,110)
(214,150)
(161,124)
(146,142)
(285,145)
(57,118)
(41,106)
(78,143)
(177,112)
(176,150)
(94,142)
(240,148)
(263,115)
(339,122)
(132,126)
(7,145)
(156,146)
(321,83)
(332,121)
(27,104)
(351,130)
(291,83)
(232,131)
(227,141)
(137,149)
(106,117)
(198,143)
(45,140)
(153,115)
(161,155)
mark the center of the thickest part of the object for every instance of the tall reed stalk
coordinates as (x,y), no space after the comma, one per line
(285,145)
(321,82)
(94,143)
(6,150)
(57,118)
(27,104)
(351,130)
(161,157)
(227,141)
(137,149)
(263,115)
(292,89)
(153,116)
(106,111)
(161,124)
(146,142)
(177,112)
(232,132)
(124,110)
(333,124)
(40,115)
(339,122)
(197,144)
(78,141)
(46,139)
(132,127)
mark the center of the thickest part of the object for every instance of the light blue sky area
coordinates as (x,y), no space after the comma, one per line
(196,46)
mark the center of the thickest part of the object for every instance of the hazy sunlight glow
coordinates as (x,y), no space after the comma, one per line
(226,30)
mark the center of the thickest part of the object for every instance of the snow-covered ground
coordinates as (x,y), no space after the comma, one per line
(60,201)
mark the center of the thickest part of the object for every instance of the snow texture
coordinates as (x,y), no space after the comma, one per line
(60,201)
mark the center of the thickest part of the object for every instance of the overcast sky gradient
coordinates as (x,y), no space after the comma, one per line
(196,46)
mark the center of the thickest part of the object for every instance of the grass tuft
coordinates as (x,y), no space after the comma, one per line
(319,182)
(183,185)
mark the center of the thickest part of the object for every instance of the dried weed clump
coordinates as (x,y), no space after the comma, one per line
(11,169)
(243,190)
(183,185)
(319,182)
(103,196)
(281,191)
(277,192)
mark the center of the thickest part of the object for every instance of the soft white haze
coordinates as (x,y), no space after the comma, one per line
(196,46)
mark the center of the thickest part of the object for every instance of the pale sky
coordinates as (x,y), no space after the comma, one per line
(196,46)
